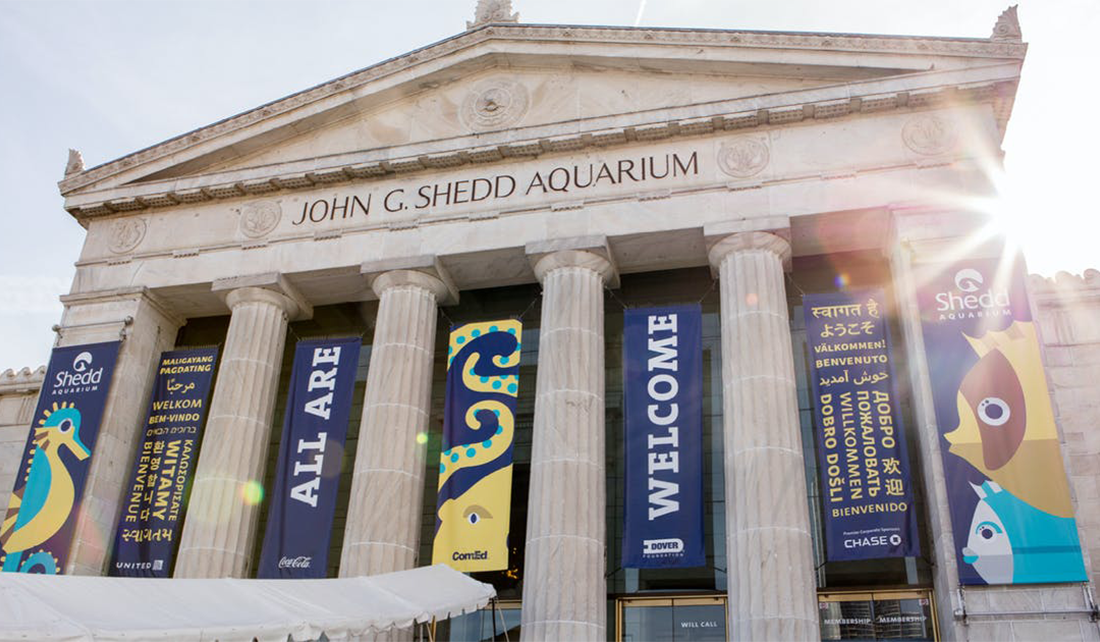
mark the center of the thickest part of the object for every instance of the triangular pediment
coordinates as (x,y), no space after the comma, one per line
(529,86)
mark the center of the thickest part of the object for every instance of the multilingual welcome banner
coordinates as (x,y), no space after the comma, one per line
(303,501)
(663,390)
(475,463)
(867,498)
(1011,512)
(155,500)
(36,531)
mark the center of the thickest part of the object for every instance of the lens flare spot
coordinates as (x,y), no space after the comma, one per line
(421,438)
(751,299)
(842,281)
(252,493)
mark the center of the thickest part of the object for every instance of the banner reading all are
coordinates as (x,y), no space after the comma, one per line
(36,531)
(475,462)
(307,480)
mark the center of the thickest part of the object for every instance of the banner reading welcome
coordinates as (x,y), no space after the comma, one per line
(153,507)
(475,462)
(866,494)
(36,531)
(303,502)
(1011,512)
(663,390)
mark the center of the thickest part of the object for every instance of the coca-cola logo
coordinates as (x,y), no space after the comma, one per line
(295,562)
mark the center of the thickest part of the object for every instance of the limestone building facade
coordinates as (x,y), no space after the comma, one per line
(560,174)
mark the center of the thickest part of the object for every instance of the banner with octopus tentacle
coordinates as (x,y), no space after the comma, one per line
(36,531)
(475,460)
(1011,512)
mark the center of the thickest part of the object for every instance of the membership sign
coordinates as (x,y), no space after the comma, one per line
(663,388)
(865,485)
(153,507)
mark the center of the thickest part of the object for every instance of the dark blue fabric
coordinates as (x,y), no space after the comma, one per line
(866,491)
(155,500)
(303,501)
(663,389)
(61,442)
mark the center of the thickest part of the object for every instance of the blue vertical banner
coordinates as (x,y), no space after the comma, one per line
(473,510)
(866,490)
(156,499)
(1011,512)
(663,389)
(36,531)
(303,502)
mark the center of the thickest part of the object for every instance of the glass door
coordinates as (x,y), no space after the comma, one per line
(672,619)
(878,615)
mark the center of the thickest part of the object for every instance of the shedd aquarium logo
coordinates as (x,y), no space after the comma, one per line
(80,377)
(971,299)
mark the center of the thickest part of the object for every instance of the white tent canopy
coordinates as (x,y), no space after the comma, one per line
(36,607)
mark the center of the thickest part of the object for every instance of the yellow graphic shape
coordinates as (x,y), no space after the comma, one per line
(476,454)
(469,524)
(1033,473)
(471,331)
(48,476)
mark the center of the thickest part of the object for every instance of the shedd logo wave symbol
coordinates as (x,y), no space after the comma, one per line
(80,375)
(671,546)
(968,280)
(969,299)
(82,361)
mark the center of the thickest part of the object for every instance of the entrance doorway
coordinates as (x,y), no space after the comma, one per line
(672,619)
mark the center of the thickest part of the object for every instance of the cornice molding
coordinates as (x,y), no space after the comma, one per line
(967,47)
(161,196)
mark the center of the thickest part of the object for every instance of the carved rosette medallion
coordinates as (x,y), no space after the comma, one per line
(126,234)
(259,218)
(929,134)
(743,157)
(495,104)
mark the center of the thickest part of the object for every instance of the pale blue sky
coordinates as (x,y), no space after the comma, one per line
(109,77)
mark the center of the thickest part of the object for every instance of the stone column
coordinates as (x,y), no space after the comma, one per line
(101,316)
(222,513)
(772,591)
(383,525)
(564,588)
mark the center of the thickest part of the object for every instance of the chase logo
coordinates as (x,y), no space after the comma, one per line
(662,546)
(968,280)
(895,539)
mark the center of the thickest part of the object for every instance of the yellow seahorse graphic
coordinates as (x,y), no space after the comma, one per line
(39,509)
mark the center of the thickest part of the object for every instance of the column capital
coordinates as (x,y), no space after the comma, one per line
(588,252)
(425,271)
(745,241)
(271,287)
(135,293)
